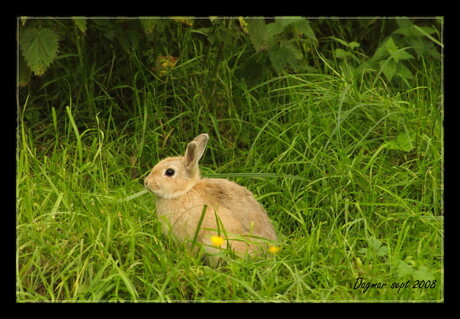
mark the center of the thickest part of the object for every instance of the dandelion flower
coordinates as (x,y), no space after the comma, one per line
(274,250)
(217,241)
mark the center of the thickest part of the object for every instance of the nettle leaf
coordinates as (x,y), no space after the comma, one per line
(380,53)
(390,46)
(277,56)
(282,54)
(258,34)
(406,27)
(39,47)
(404,72)
(388,68)
(275,28)
(24,72)
(401,54)
(303,26)
(286,20)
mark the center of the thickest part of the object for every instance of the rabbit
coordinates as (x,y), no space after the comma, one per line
(222,209)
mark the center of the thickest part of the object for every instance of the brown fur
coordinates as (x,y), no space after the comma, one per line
(232,211)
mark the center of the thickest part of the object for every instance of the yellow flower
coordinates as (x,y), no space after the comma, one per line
(185,20)
(274,250)
(217,241)
(243,25)
(164,64)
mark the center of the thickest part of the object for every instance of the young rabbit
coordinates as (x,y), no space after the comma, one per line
(232,219)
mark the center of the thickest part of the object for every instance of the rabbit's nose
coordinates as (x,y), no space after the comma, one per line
(146,182)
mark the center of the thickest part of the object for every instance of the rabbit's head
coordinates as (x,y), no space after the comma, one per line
(175,176)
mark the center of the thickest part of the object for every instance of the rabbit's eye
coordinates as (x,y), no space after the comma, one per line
(169,172)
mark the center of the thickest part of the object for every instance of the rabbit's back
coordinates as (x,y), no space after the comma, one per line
(239,203)
(233,205)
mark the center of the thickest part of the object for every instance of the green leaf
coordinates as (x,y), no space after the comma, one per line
(353,44)
(282,54)
(422,273)
(258,34)
(406,27)
(293,57)
(375,246)
(374,243)
(382,251)
(80,22)
(401,54)
(403,142)
(340,53)
(303,26)
(350,45)
(404,72)
(129,38)
(426,31)
(294,53)
(380,53)
(388,67)
(277,56)
(24,72)
(273,29)
(342,42)
(396,53)
(39,48)
(285,21)
(297,24)
(150,24)
(403,269)
(390,46)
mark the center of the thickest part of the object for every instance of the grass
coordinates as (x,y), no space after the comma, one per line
(319,152)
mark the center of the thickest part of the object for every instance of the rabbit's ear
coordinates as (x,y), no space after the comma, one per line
(202,141)
(194,152)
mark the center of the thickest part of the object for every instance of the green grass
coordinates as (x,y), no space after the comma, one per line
(319,152)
